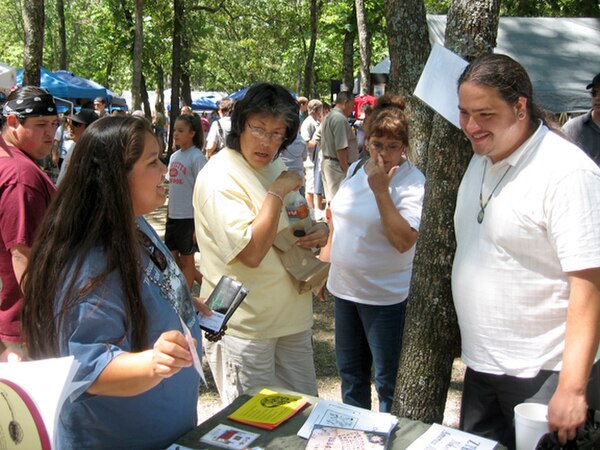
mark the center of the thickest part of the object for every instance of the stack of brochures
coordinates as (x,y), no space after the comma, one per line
(332,438)
(268,409)
(441,437)
(337,415)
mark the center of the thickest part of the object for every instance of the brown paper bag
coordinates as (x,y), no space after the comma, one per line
(308,273)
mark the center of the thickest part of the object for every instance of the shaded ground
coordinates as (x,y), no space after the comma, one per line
(323,344)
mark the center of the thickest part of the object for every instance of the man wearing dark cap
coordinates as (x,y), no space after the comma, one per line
(77,124)
(585,129)
(29,121)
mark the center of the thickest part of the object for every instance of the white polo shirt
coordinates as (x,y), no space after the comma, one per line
(509,277)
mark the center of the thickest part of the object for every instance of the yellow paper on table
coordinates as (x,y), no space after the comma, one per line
(268,408)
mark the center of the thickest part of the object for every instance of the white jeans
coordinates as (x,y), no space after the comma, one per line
(239,364)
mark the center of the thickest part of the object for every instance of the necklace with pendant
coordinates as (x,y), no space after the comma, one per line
(482,205)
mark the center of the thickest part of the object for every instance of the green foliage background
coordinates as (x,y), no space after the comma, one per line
(228,44)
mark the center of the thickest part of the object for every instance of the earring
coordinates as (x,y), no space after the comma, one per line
(521,116)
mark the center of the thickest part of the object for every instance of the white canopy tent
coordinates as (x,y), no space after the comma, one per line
(8,76)
(218,95)
(561,55)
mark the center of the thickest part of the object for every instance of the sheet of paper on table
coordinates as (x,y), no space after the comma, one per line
(439,437)
(335,414)
(329,438)
(225,436)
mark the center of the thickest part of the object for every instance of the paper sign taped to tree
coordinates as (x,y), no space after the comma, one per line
(438,85)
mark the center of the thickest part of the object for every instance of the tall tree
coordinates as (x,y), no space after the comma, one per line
(159,103)
(314,6)
(364,45)
(408,43)
(33,22)
(138,48)
(186,87)
(145,99)
(431,333)
(62,33)
(176,67)
(348,55)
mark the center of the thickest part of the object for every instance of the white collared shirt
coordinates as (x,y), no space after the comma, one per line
(509,278)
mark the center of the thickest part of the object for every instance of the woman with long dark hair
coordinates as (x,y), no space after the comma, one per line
(102,287)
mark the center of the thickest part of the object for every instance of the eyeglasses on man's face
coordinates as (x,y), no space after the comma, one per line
(263,134)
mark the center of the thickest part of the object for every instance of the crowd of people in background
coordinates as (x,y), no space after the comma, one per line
(83,273)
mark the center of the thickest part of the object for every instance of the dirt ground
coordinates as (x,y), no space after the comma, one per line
(323,339)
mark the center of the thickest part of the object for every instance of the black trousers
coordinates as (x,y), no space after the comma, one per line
(488,400)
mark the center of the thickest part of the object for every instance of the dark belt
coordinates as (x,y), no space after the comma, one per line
(330,158)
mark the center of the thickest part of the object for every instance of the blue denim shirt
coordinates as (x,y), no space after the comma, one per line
(95,332)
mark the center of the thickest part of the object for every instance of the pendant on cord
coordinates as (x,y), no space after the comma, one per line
(480,215)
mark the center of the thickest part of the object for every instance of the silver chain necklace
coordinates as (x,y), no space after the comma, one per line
(482,205)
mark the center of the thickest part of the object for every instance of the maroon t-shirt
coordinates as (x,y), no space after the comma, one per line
(25,193)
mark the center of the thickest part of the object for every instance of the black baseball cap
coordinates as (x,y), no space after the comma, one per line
(595,82)
(84,116)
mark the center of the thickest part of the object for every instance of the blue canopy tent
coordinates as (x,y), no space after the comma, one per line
(237,95)
(205,103)
(114,100)
(202,100)
(83,83)
(62,88)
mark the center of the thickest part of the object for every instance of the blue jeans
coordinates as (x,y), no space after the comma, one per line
(368,335)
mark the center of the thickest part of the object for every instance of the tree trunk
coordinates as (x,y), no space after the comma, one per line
(60,10)
(146,100)
(109,69)
(186,88)
(590,8)
(431,334)
(176,69)
(348,61)
(159,103)
(310,57)
(33,52)
(408,42)
(138,49)
(364,44)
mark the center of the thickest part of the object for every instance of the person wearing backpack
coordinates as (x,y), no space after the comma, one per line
(220,128)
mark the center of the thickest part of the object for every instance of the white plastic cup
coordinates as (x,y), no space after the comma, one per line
(531,423)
